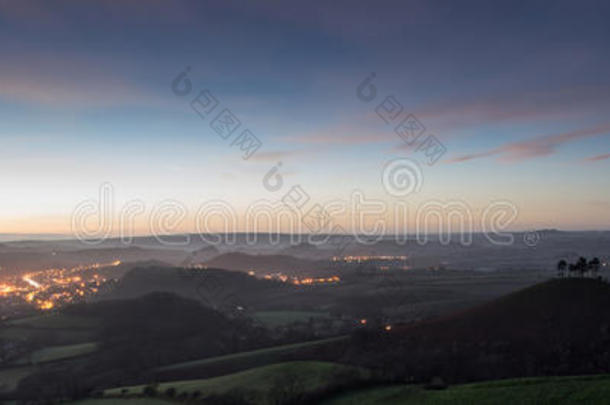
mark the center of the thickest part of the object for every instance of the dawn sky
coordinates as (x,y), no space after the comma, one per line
(520,99)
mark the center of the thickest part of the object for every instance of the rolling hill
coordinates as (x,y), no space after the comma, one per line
(263,264)
(216,288)
(554,328)
(286,383)
(524,391)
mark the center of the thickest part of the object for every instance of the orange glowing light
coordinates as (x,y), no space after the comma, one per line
(46,305)
(6,289)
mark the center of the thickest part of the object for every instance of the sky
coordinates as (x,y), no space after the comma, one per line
(516,93)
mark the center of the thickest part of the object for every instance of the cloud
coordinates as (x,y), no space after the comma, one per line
(273,156)
(341,135)
(532,148)
(69,80)
(518,106)
(597,158)
(33,13)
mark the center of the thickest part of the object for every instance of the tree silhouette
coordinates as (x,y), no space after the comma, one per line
(561,267)
(572,268)
(582,266)
(594,265)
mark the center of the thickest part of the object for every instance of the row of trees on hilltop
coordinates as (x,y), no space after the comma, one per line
(582,267)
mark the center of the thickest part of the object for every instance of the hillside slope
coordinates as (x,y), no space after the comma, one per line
(554,328)
(526,391)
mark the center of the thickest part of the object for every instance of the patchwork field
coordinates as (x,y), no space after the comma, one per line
(255,357)
(550,390)
(279,318)
(259,385)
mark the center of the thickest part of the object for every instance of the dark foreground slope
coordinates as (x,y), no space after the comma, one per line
(554,328)
(134,336)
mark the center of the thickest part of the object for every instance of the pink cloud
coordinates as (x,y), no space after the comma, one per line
(273,156)
(341,135)
(597,158)
(70,80)
(510,107)
(537,147)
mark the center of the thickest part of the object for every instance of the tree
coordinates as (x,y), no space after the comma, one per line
(582,265)
(594,265)
(561,267)
(150,390)
(572,268)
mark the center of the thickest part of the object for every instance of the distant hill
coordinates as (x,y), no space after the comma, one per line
(306,250)
(19,257)
(263,264)
(554,328)
(221,289)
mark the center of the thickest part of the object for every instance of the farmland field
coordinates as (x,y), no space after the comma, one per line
(126,401)
(54,353)
(549,390)
(10,377)
(262,354)
(279,318)
(257,383)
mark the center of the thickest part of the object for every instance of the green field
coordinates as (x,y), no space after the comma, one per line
(279,318)
(54,321)
(54,353)
(57,328)
(252,356)
(126,401)
(258,384)
(10,377)
(551,390)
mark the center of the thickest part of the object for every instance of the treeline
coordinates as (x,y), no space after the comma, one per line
(581,267)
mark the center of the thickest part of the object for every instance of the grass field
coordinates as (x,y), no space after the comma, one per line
(279,318)
(59,328)
(244,357)
(10,377)
(551,390)
(126,401)
(257,384)
(54,321)
(54,353)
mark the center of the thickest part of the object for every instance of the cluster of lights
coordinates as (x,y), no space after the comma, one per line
(363,322)
(47,289)
(319,280)
(360,259)
(298,281)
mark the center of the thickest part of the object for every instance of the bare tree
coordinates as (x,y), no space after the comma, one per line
(561,267)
